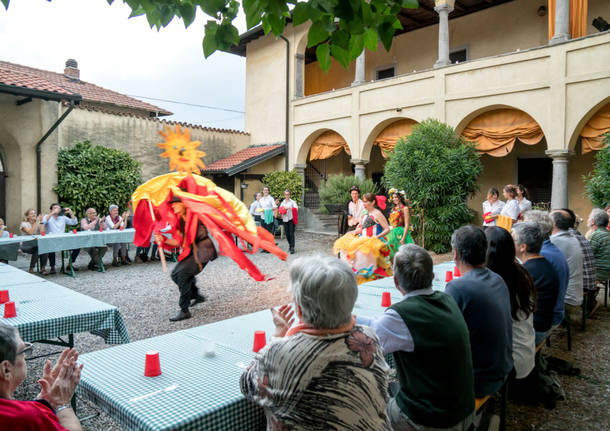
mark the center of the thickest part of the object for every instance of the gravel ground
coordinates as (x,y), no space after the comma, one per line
(147,297)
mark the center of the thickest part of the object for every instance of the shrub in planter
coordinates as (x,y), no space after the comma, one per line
(335,194)
(278,181)
(597,183)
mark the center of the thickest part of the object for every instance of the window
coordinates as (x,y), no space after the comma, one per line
(385,72)
(459,55)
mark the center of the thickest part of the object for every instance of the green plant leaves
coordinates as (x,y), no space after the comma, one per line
(323,56)
(597,183)
(278,181)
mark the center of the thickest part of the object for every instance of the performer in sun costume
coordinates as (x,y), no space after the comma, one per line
(363,248)
(191,208)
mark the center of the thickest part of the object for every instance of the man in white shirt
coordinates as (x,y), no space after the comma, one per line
(286,208)
(269,207)
(56,222)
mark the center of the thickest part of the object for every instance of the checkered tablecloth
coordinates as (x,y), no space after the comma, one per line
(10,246)
(194,392)
(46,310)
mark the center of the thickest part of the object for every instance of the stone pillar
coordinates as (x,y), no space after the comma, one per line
(443,11)
(301,171)
(559,193)
(299,88)
(360,77)
(562,22)
(359,168)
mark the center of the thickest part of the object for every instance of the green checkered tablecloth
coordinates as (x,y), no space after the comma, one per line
(46,310)
(119,236)
(10,246)
(194,392)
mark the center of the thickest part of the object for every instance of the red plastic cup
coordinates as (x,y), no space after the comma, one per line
(73,230)
(3,296)
(9,310)
(260,340)
(386,300)
(456,272)
(101,229)
(122,227)
(10,234)
(43,233)
(152,366)
(448,276)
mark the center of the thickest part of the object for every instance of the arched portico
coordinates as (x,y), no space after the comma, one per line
(375,132)
(594,110)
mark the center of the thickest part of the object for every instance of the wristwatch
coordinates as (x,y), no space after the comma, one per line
(62,407)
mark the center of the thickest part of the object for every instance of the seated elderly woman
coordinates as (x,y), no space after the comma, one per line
(51,410)
(326,372)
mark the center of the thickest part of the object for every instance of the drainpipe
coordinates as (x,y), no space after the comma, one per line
(287,97)
(38,156)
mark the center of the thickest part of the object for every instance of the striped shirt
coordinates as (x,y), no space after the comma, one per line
(588,269)
(600,243)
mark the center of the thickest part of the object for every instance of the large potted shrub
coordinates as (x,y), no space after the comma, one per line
(335,194)
(438,171)
(597,183)
(278,181)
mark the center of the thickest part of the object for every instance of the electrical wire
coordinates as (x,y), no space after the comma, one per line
(188,104)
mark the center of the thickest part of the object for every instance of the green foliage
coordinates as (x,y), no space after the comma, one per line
(278,181)
(336,191)
(438,171)
(340,28)
(97,177)
(597,183)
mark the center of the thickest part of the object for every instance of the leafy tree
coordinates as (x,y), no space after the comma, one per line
(278,181)
(339,28)
(336,191)
(438,171)
(97,177)
(597,183)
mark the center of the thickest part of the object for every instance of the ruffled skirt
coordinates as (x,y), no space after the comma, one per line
(393,240)
(369,257)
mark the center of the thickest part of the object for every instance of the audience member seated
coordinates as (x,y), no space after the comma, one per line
(326,372)
(51,410)
(422,331)
(599,238)
(56,222)
(4,233)
(528,241)
(555,256)
(483,298)
(115,221)
(522,295)
(93,223)
(589,277)
(570,247)
(31,225)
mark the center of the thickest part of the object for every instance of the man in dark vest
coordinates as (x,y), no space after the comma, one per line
(428,337)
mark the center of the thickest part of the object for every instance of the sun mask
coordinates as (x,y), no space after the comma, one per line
(182,153)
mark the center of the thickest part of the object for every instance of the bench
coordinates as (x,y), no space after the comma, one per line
(480,402)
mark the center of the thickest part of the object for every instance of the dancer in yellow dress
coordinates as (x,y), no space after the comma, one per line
(363,248)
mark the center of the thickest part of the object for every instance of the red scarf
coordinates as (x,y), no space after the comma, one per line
(309,329)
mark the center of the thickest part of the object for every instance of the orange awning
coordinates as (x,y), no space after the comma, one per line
(390,135)
(593,132)
(328,145)
(578,18)
(495,132)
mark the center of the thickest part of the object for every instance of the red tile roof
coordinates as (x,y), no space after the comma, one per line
(38,79)
(228,164)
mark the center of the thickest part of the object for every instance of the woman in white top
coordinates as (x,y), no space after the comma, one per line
(492,207)
(286,212)
(523,198)
(256,210)
(31,225)
(511,208)
(115,221)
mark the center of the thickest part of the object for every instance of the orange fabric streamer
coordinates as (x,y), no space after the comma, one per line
(328,145)
(578,18)
(495,132)
(388,137)
(593,132)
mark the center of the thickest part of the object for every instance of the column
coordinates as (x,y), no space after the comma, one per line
(300,168)
(443,9)
(559,191)
(359,168)
(359,77)
(562,22)
(299,89)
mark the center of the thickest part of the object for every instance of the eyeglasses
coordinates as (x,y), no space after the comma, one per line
(27,350)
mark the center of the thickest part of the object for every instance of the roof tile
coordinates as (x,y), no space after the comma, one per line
(240,157)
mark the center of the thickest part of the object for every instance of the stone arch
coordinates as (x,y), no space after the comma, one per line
(370,139)
(303,152)
(11,181)
(589,113)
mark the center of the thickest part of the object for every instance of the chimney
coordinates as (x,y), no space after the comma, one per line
(71,71)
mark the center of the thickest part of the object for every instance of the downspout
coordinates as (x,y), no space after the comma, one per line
(287,97)
(38,155)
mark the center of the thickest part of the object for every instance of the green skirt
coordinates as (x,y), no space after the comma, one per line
(393,240)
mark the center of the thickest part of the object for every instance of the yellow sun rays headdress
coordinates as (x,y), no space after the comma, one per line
(182,153)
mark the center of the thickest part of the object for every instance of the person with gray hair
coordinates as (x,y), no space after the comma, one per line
(115,221)
(51,410)
(599,238)
(325,370)
(434,393)
(92,222)
(555,256)
(528,244)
